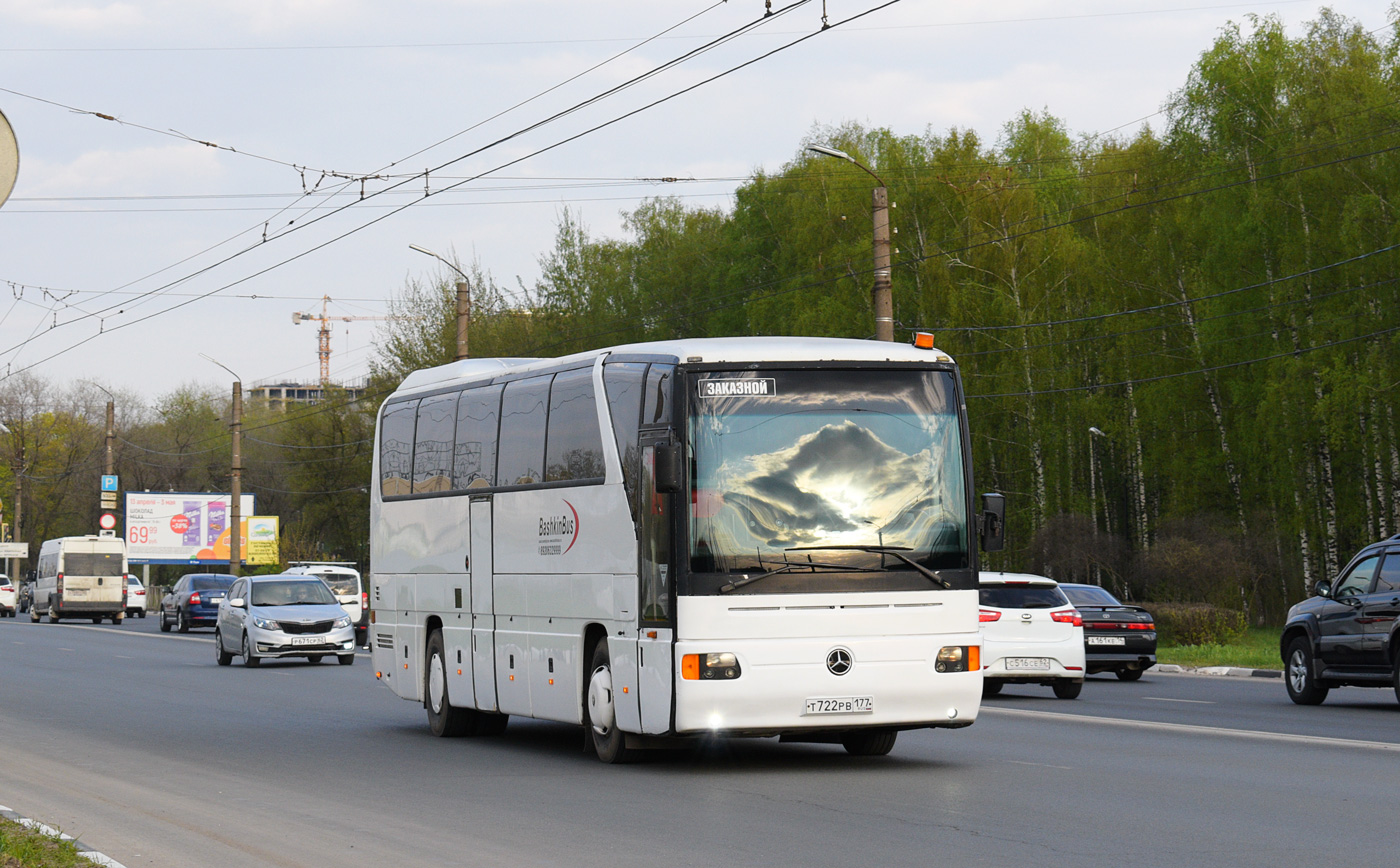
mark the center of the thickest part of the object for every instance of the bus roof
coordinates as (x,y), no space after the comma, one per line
(741,349)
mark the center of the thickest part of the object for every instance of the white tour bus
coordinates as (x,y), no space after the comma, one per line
(81,577)
(727,536)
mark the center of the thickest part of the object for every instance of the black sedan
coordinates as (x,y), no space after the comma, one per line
(1117,637)
(194,601)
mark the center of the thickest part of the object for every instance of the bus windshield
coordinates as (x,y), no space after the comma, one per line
(810,473)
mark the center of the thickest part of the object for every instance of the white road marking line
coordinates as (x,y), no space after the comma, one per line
(1261,735)
(1165,699)
(1041,765)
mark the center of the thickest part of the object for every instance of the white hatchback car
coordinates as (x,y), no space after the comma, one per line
(9,597)
(1031,634)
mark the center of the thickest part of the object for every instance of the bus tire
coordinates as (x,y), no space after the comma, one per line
(53,614)
(869,742)
(33,614)
(444,719)
(98,621)
(600,712)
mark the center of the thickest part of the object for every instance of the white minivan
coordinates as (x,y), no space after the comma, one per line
(81,577)
(344,582)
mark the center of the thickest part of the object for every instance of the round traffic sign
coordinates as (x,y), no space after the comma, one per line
(107,521)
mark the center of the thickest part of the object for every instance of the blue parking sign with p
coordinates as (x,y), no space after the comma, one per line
(109,483)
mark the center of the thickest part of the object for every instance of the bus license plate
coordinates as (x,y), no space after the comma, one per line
(840,705)
(1028,663)
(308,640)
(1106,640)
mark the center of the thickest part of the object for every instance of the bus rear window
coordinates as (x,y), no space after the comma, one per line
(93,563)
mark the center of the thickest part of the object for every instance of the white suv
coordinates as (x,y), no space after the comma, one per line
(1031,634)
(344,582)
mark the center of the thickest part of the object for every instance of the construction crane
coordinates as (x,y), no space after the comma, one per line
(324,336)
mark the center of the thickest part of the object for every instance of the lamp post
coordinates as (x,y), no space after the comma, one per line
(111,422)
(464,300)
(880,211)
(235,510)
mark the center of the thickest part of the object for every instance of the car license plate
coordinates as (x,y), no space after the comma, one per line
(309,640)
(1106,640)
(840,705)
(1028,663)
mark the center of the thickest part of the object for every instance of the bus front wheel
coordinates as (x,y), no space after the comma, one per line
(869,742)
(601,712)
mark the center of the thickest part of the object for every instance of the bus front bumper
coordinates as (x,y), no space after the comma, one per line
(788,686)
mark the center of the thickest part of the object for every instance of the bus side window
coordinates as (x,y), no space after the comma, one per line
(658,408)
(474,458)
(433,442)
(574,443)
(523,414)
(396,449)
(624,384)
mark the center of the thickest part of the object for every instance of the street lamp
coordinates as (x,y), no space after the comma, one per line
(880,210)
(235,510)
(464,300)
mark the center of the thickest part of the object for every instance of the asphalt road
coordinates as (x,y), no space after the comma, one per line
(137,743)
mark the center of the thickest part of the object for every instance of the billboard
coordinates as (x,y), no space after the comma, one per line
(181,528)
(261,532)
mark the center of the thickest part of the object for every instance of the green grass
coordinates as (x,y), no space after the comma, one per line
(23,847)
(1257,649)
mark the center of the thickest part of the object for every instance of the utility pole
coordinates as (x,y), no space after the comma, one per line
(881,298)
(235,511)
(464,317)
(111,434)
(464,301)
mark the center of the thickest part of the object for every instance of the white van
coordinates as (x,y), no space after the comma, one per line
(81,577)
(344,582)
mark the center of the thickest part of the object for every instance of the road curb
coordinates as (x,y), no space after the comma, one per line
(95,856)
(1231,671)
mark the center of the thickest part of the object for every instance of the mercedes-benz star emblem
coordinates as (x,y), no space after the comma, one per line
(839,661)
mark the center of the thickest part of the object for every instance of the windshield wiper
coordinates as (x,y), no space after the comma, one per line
(787,568)
(893,551)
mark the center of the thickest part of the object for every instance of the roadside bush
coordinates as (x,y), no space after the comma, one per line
(1196,623)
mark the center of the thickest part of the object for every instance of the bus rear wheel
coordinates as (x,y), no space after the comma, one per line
(869,742)
(600,711)
(444,719)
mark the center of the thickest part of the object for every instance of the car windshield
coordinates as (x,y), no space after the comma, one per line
(341,584)
(1090,597)
(291,592)
(1022,597)
(211,583)
(848,462)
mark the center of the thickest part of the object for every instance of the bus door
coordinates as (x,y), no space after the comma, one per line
(655,635)
(483,605)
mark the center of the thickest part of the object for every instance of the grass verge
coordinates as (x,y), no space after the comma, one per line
(23,847)
(1256,649)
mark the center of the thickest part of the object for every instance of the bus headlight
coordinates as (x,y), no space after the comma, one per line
(958,658)
(715,666)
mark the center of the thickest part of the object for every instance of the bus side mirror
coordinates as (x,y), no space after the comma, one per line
(668,468)
(993,522)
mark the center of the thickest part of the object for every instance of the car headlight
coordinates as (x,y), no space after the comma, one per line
(343,621)
(266,623)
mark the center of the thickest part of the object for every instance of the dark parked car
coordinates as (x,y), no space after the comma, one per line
(1118,638)
(194,601)
(1348,635)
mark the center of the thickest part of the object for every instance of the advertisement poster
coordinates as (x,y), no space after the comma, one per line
(182,528)
(261,532)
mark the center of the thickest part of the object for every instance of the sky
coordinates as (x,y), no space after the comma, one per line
(192,175)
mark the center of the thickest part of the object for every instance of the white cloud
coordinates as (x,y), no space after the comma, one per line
(84,17)
(151,170)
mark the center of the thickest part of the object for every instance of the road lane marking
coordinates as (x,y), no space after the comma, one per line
(1041,765)
(1195,729)
(120,632)
(1193,701)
